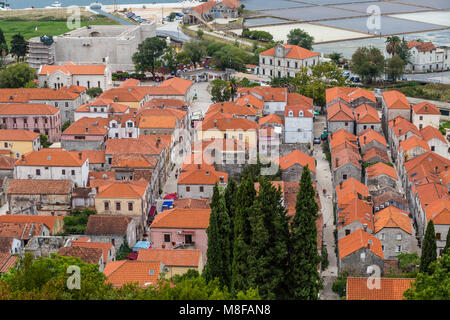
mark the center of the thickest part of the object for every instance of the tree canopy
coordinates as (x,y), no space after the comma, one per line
(18,75)
(368,63)
(149,51)
(300,38)
(18,46)
(429,249)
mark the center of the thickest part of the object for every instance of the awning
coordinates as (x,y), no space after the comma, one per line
(187,232)
(152,211)
(171,196)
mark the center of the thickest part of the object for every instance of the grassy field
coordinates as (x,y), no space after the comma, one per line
(51,22)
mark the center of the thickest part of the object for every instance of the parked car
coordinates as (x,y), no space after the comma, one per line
(316,140)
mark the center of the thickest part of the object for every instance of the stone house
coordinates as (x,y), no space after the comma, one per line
(39,197)
(357,214)
(87,255)
(114,229)
(395,104)
(373,155)
(380,178)
(108,249)
(54,224)
(370,138)
(101,108)
(86,134)
(390,198)
(359,250)
(19,142)
(293,163)
(411,148)
(400,129)
(181,229)
(439,212)
(352,97)
(393,228)
(366,117)
(339,116)
(345,163)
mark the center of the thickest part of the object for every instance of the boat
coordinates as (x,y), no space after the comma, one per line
(96,5)
(4,6)
(55,4)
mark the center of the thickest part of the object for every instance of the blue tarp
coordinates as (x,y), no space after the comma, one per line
(141,245)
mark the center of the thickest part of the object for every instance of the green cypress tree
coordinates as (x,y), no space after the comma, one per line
(245,197)
(3,44)
(447,243)
(268,253)
(304,279)
(429,248)
(230,202)
(218,264)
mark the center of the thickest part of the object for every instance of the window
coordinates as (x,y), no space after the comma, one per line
(279,63)
(130,135)
(188,189)
(291,113)
(241,136)
(202,189)
(363,256)
(167,237)
(398,249)
(300,114)
(438,236)
(433,148)
(188,238)
(106,203)
(344,176)
(130,206)
(63,172)
(98,84)
(364,127)
(118,206)
(67,104)
(264,61)
(288,64)
(38,172)
(6,144)
(347,232)
(399,236)
(421,118)
(73,172)
(382,237)
(346,124)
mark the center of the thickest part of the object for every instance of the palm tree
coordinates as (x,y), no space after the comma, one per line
(232,86)
(392,45)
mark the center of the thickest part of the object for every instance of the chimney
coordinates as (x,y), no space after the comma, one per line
(400,131)
(215,123)
(365,139)
(80,155)
(199,166)
(158,141)
(23,158)
(394,122)
(340,185)
(365,227)
(436,169)
(272,97)
(337,162)
(87,129)
(426,108)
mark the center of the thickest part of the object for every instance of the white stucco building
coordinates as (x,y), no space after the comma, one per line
(298,124)
(425,57)
(286,60)
(53,164)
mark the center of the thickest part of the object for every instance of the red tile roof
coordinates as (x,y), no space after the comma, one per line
(380,168)
(182,218)
(367,114)
(123,189)
(402,126)
(271,118)
(228,124)
(88,127)
(349,189)
(251,100)
(392,217)
(439,211)
(296,109)
(413,142)
(173,258)
(18,135)
(24,95)
(94,156)
(49,221)
(103,246)
(270,94)
(395,100)
(428,133)
(359,239)
(20,109)
(52,157)
(369,135)
(294,98)
(107,225)
(145,273)
(389,289)
(421,46)
(25,186)
(356,210)
(339,112)
(297,157)
(293,52)
(203,176)
(71,69)
(425,108)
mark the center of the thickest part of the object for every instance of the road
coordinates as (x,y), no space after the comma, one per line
(219,34)
(323,176)
(435,77)
(121,21)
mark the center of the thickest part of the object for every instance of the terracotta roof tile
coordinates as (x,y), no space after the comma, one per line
(176,103)
(202,176)
(228,124)
(123,189)
(369,135)
(176,258)
(349,189)
(294,98)
(413,142)
(182,218)
(395,100)
(27,109)
(232,108)
(130,82)
(52,157)
(270,94)
(128,271)
(133,161)
(72,69)
(139,145)
(367,114)
(189,203)
(425,108)
(421,46)
(6,162)
(339,112)
(380,168)
(439,211)
(17,135)
(103,246)
(297,157)
(94,156)
(344,156)
(390,289)
(359,239)
(428,133)
(157,122)
(7,262)
(293,52)
(296,109)
(21,230)
(356,210)
(392,217)
(271,118)
(24,95)
(251,100)
(88,127)
(403,126)
(49,221)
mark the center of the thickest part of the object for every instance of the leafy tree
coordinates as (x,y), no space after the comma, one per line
(434,284)
(300,38)
(172,16)
(124,250)
(182,58)
(242,234)
(44,141)
(407,262)
(404,52)
(194,51)
(149,51)
(65,125)
(170,59)
(304,279)
(94,92)
(395,67)
(257,35)
(200,34)
(3,47)
(76,223)
(219,91)
(218,264)
(230,203)
(18,46)
(17,76)
(368,63)
(268,250)
(335,57)
(429,249)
